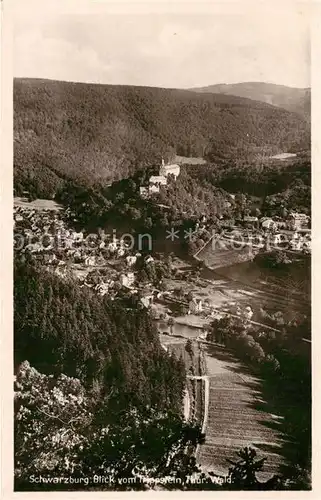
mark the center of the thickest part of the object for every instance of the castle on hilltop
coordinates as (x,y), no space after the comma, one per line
(165,170)
(156,181)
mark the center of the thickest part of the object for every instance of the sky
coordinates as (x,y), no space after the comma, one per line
(174,45)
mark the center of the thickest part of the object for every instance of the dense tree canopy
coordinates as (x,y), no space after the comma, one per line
(91,133)
(61,328)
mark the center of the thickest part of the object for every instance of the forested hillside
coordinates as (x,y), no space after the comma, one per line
(288,184)
(61,328)
(296,100)
(270,187)
(95,393)
(101,133)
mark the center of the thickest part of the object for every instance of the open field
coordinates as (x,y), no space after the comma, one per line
(37,204)
(280,289)
(245,285)
(236,408)
(236,417)
(218,257)
(185,160)
(287,291)
(283,156)
(219,291)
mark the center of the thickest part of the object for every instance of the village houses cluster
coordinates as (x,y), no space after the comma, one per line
(291,233)
(105,264)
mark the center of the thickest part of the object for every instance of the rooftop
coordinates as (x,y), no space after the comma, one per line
(158,179)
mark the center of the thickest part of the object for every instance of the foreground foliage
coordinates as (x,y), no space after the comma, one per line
(61,431)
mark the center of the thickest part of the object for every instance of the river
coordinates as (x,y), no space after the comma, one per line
(179,330)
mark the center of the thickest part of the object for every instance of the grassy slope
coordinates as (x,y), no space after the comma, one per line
(105,132)
(237,416)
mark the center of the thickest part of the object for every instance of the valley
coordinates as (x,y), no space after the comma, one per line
(173,344)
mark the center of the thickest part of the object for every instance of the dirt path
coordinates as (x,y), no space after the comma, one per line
(187,405)
(207,396)
(206,407)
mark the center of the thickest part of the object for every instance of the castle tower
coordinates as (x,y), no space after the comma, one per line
(166,169)
(162,170)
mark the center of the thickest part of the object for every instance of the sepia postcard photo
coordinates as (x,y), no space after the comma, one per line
(161,247)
